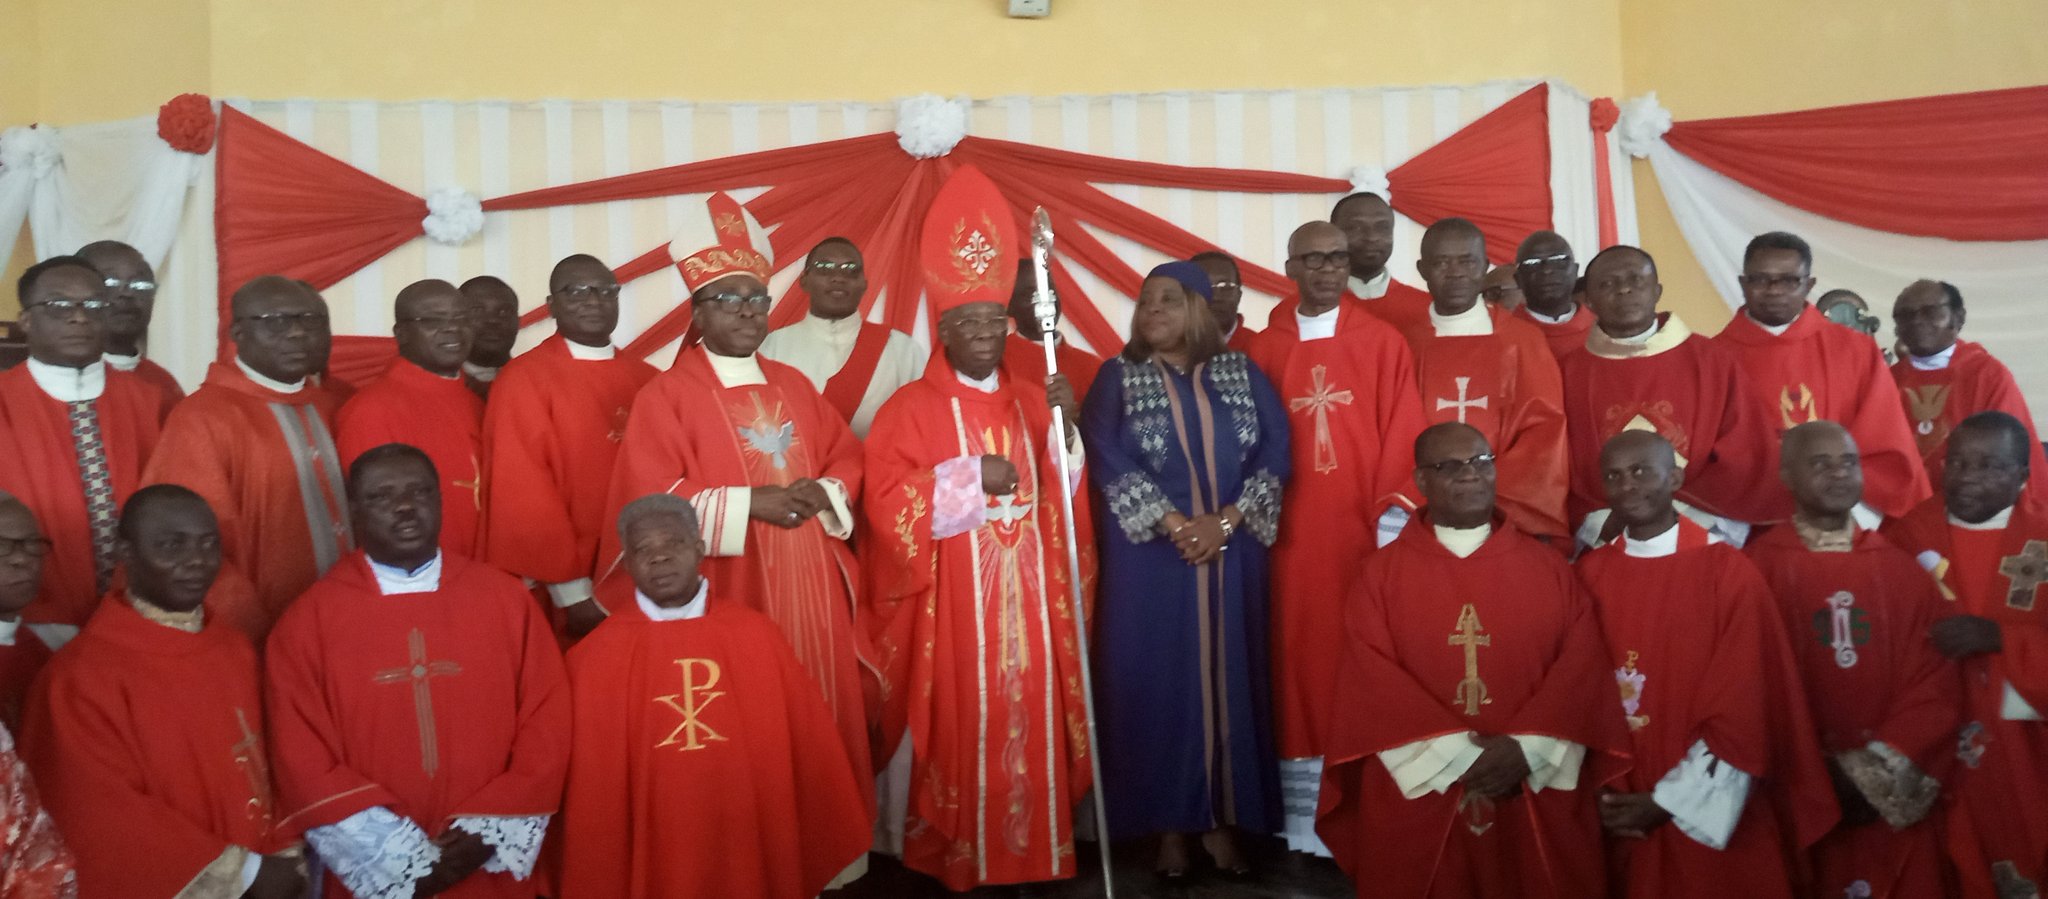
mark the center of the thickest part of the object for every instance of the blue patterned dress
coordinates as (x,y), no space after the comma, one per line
(1182,685)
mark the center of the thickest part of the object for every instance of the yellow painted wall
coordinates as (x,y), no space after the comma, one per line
(1711,58)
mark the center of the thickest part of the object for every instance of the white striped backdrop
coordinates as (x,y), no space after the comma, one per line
(493,148)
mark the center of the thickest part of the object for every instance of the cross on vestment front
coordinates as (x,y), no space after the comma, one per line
(690,703)
(475,484)
(1321,397)
(418,672)
(255,767)
(2025,570)
(1471,690)
(1461,403)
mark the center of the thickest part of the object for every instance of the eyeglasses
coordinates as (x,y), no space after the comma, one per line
(1772,283)
(1221,286)
(1554,260)
(584,293)
(439,322)
(36,547)
(980,327)
(136,286)
(828,269)
(1337,259)
(386,500)
(737,302)
(1450,468)
(279,324)
(67,308)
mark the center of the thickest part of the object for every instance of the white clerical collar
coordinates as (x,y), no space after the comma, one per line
(483,374)
(8,628)
(1774,330)
(1994,523)
(1638,339)
(269,383)
(70,385)
(393,580)
(692,609)
(583,353)
(842,326)
(1664,544)
(123,363)
(1463,542)
(1936,362)
(1373,289)
(1473,322)
(736,371)
(1316,327)
(1569,311)
(1232,330)
(985,385)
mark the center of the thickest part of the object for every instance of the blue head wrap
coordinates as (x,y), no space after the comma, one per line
(1190,276)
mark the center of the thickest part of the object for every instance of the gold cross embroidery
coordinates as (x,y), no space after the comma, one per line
(255,767)
(690,704)
(418,672)
(1471,691)
(1319,399)
(475,484)
(2025,571)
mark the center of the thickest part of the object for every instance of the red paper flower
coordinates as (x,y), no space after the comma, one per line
(187,123)
(1604,115)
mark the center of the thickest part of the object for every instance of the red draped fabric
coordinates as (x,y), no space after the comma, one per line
(1601,117)
(1968,166)
(287,208)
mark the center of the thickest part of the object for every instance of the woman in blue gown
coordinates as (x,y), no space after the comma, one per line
(1187,445)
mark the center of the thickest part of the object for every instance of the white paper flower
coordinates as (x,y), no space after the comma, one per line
(1369,179)
(32,149)
(929,125)
(1642,126)
(453,217)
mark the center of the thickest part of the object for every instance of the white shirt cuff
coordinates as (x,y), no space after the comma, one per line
(1432,765)
(514,840)
(723,511)
(1553,763)
(1392,522)
(1866,517)
(2014,707)
(375,853)
(569,593)
(251,865)
(1704,795)
(838,520)
(1076,454)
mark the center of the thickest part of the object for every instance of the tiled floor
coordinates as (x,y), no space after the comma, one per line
(1278,875)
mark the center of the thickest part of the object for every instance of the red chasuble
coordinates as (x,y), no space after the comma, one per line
(147,742)
(266,462)
(1858,622)
(977,635)
(1501,642)
(1241,337)
(1817,370)
(39,465)
(1937,401)
(551,437)
(409,404)
(689,434)
(1997,820)
(1355,412)
(1699,653)
(1564,338)
(705,765)
(1692,392)
(1505,384)
(1025,361)
(434,705)
(156,376)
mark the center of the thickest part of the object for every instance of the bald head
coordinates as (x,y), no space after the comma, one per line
(1454,472)
(1546,270)
(280,328)
(1819,464)
(1368,224)
(1317,263)
(1622,289)
(1453,264)
(1649,446)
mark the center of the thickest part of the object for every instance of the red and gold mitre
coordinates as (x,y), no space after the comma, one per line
(724,240)
(971,243)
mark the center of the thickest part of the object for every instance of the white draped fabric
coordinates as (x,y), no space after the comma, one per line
(2001,282)
(118,179)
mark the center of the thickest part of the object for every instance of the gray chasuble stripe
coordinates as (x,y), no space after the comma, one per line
(314,458)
